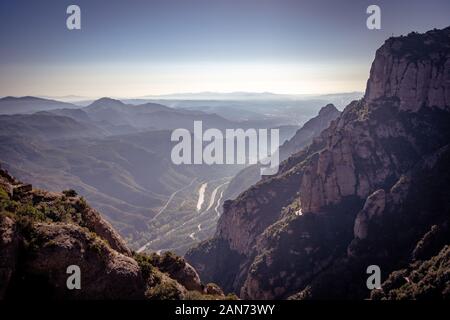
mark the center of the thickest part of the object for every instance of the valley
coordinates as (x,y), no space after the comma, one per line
(189,217)
(117,155)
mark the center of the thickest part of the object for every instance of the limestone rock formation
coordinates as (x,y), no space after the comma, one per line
(43,233)
(366,191)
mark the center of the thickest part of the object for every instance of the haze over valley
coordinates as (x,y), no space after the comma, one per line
(117,155)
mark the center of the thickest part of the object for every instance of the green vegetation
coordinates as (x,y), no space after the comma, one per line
(3,194)
(23,213)
(168,260)
(34,208)
(164,288)
(145,263)
(156,271)
(159,285)
(70,193)
(60,211)
(418,46)
(57,211)
(195,295)
(27,210)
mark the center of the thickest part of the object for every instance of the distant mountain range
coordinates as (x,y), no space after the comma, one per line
(239,96)
(223,96)
(249,109)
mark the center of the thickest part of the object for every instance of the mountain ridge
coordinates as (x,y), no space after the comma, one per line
(302,137)
(303,233)
(30,104)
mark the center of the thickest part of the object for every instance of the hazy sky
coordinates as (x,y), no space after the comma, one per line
(135,48)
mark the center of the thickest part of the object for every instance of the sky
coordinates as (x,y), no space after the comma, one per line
(135,48)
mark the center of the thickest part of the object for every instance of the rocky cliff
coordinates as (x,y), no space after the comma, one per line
(303,137)
(43,233)
(413,69)
(368,190)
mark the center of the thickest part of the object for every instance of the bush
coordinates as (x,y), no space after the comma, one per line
(161,287)
(145,263)
(60,211)
(9,205)
(31,212)
(81,204)
(70,193)
(3,194)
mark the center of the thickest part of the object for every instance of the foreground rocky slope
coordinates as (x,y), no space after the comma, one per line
(372,189)
(43,233)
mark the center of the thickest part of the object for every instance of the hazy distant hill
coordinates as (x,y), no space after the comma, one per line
(150,116)
(13,105)
(46,125)
(253,96)
(302,137)
(269,109)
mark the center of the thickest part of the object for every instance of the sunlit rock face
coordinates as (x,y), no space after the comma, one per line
(415,69)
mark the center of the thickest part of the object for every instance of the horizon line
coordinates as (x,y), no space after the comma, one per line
(173,95)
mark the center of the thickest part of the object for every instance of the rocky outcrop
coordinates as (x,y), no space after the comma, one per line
(215,257)
(9,242)
(336,206)
(310,130)
(105,273)
(44,234)
(95,223)
(413,69)
(179,270)
(91,218)
(373,207)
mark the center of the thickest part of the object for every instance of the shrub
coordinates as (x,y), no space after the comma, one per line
(3,194)
(8,205)
(60,211)
(145,263)
(70,193)
(166,290)
(81,204)
(31,212)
